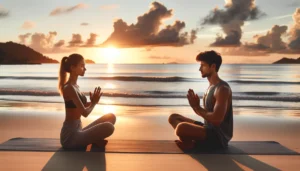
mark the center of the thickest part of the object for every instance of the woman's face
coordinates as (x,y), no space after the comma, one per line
(79,69)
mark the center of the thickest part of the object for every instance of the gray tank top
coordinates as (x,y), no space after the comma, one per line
(225,130)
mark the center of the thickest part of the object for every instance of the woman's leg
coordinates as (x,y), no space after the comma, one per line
(94,134)
(105,118)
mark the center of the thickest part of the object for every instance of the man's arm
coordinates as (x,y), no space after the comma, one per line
(216,117)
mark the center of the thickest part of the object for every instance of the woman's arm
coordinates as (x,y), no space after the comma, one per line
(84,110)
(87,104)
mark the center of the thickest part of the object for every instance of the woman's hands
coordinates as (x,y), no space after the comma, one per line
(95,97)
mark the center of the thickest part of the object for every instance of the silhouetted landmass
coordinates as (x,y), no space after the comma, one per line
(288,61)
(171,63)
(14,53)
(88,61)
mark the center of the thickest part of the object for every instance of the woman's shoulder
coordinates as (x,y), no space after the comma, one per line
(68,87)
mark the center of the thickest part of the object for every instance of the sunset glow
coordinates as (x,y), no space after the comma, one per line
(110,54)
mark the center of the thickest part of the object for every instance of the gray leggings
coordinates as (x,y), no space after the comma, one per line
(72,134)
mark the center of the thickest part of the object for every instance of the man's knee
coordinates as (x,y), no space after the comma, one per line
(181,128)
(173,117)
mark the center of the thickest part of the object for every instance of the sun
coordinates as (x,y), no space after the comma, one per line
(110,54)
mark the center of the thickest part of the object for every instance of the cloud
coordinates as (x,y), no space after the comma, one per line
(242,51)
(91,41)
(282,16)
(294,43)
(159,57)
(110,7)
(60,10)
(231,19)
(28,25)
(76,40)
(84,24)
(272,40)
(44,43)
(146,32)
(23,37)
(59,44)
(3,13)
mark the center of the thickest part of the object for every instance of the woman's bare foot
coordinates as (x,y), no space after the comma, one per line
(185,145)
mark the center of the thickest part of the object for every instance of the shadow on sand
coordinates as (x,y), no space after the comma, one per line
(229,162)
(70,160)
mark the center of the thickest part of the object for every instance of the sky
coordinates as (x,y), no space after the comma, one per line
(134,31)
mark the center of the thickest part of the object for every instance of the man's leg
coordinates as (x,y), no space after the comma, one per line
(175,119)
(188,133)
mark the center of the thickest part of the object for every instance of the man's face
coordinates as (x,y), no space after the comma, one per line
(205,69)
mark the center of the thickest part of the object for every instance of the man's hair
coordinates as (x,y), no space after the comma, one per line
(210,57)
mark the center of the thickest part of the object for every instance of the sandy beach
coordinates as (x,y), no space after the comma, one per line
(144,123)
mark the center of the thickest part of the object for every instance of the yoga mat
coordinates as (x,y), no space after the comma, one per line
(147,146)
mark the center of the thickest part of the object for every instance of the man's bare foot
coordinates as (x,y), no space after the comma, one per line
(185,145)
(101,143)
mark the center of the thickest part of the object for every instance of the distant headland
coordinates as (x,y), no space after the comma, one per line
(14,53)
(89,61)
(285,60)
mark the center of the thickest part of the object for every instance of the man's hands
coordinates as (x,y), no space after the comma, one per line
(194,99)
(95,97)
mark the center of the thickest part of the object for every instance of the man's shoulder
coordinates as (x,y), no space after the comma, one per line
(223,89)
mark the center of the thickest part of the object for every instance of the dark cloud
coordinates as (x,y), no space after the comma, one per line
(23,37)
(272,41)
(231,19)
(146,32)
(294,43)
(92,40)
(60,10)
(3,13)
(59,44)
(84,24)
(76,40)
(193,35)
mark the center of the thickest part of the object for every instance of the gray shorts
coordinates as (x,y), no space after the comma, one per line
(68,134)
(212,140)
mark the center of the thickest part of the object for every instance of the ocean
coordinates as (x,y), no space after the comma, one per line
(255,87)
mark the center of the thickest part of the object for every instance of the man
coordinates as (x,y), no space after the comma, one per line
(217,129)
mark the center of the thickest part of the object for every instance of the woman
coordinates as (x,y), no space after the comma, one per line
(72,134)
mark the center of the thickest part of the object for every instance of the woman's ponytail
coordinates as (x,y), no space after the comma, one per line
(62,77)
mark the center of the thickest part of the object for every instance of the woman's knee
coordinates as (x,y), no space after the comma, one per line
(173,116)
(109,128)
(111,117)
